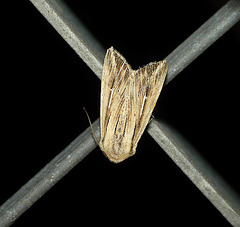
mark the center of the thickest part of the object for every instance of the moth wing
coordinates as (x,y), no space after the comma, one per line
(115,73)
(148,85)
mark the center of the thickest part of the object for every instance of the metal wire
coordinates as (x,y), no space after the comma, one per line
(202,38)
(91,52)
(73,32)
(48,176)
(198,170)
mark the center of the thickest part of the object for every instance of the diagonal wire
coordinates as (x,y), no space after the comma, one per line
(211,185)
(202,38)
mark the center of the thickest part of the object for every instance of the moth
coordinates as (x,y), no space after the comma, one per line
(128,98)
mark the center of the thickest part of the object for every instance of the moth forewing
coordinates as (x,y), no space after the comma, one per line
(151,78)
(128,98)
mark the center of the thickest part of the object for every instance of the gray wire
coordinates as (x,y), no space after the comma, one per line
(202,38)
(26,196)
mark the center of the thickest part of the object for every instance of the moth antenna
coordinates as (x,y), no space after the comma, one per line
(94,135)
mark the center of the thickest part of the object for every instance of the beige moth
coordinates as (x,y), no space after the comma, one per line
(128,98)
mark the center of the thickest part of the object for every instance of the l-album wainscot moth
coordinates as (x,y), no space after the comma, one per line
(128,98)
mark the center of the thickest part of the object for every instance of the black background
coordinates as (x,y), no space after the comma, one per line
(45,86)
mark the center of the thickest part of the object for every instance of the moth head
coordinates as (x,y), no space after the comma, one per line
(116,155)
